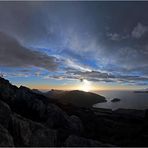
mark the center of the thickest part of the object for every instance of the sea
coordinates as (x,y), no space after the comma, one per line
(128,100)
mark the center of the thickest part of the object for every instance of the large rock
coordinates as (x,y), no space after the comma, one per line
(5,138)
(20,130)
(29,104)
(56,117)
(7,91)
(5,113)
(28,133)
(76,125)
(44,137)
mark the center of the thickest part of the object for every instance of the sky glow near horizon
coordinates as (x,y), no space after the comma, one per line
(47,45)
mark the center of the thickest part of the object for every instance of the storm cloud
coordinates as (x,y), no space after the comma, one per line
(12,54)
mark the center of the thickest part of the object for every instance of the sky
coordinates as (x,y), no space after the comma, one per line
(72,45)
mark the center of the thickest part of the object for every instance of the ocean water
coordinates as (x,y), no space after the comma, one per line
(129,100)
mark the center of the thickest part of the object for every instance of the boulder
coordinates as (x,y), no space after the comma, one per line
(76,125)
(7,91)
(29,133)
(43,137)
(20,130)
(6,139)
(29,104)
(56,118)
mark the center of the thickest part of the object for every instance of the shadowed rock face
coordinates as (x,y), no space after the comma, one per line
(5,113)
(6,139)
(30,119)
(29,133)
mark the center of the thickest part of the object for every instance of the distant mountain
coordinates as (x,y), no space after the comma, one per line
(76,97)
(37,91)
(141,91)
(54,93)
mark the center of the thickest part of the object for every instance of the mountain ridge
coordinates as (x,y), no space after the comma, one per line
(75,97)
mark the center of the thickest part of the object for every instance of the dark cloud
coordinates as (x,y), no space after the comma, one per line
(12,54)
(97,76)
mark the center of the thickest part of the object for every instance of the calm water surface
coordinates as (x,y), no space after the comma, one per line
(129,100)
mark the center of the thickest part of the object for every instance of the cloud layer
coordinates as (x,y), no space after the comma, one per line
(12,54)
(110,44)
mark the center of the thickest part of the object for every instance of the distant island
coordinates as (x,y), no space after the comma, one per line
(115,100)
(141,91)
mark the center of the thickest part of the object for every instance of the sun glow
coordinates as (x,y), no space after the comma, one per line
(85,85)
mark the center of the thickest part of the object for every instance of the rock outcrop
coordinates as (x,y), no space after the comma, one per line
(6,139)
(5,114)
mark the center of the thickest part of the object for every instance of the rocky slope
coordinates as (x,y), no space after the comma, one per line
(30,119)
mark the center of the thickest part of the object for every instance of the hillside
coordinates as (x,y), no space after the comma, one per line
(76,97)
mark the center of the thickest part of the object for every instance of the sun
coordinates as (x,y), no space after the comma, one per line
(85,85)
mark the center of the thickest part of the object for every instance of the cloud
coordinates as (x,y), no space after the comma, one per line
(116,36)
(139,31)
(75,66)
(84,44)
(12,54)
(97,76)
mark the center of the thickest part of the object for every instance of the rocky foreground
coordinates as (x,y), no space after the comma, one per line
(31,119)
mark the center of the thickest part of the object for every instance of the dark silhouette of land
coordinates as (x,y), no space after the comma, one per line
(115,100)
(75,97)
(29,118)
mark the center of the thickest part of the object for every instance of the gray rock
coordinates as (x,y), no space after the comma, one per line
(5,138)
(76,125)
(5,113)
(56,117)
(29,133)
(20,129)
(39,107)
(44,137)
(7,91)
